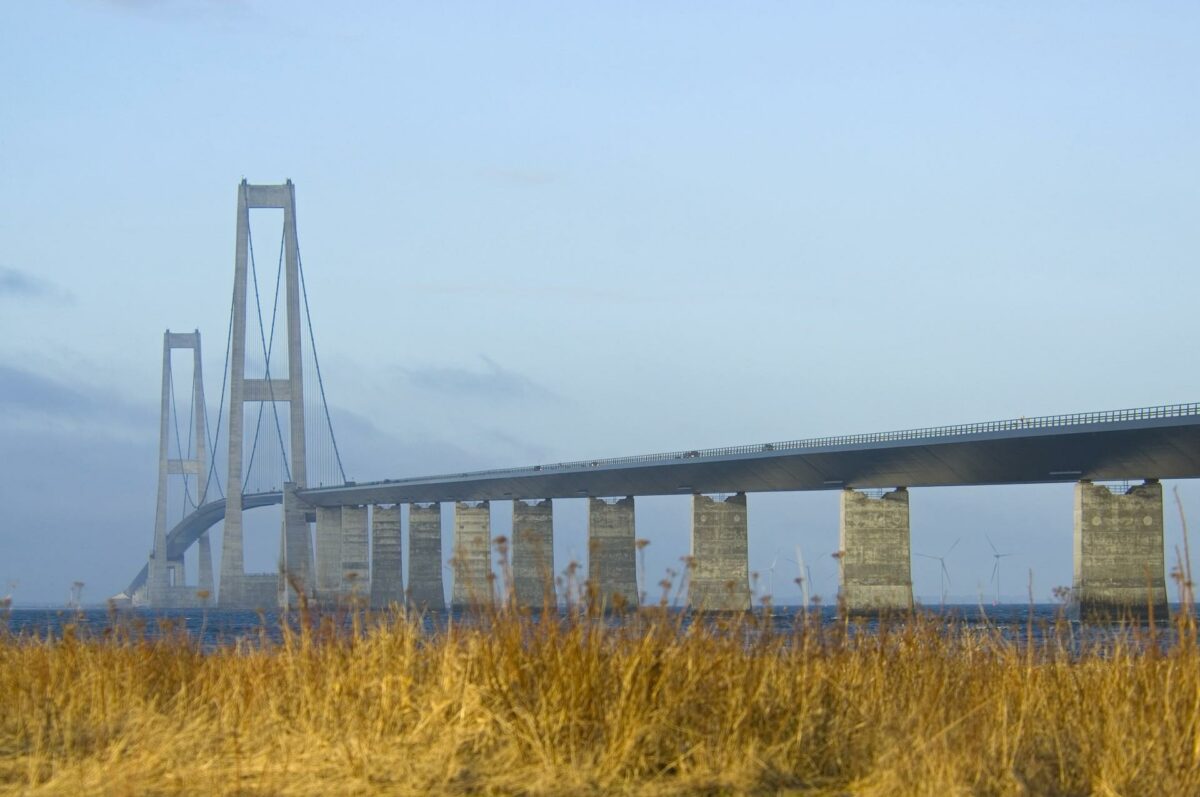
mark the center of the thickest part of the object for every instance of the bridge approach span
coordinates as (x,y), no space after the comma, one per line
(187,531)
(1154,442)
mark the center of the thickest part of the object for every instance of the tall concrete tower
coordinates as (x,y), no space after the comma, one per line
(239,590)
(165,580)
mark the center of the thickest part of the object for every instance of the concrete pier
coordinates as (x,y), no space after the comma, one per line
(206,584)
(876,563)
(175,572)
(296,565)
(472,554)
(425,590)
(260,591)
(356,573)
(533,554)
(720,572)
(1119,567)
(612,566)
(329,554)
(387,586)
(233,559)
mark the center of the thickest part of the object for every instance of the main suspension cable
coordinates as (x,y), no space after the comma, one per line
(212,464)
(316,360)
(187,496)
(267,349)
(258,419)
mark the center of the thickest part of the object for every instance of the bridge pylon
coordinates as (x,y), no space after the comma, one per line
(165,583)
(237,588)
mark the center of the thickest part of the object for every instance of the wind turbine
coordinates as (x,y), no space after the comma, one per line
(76,595)
(771,576)
(996,569)
(945,574)
(802,580)
(805,576)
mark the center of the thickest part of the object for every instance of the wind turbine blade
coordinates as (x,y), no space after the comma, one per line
(989,542)
(996,570)
(951,548)
(928,556)
(945,572)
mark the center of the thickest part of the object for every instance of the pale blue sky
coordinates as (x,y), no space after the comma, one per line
(541,231)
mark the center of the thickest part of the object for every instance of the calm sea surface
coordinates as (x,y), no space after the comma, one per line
(213,628)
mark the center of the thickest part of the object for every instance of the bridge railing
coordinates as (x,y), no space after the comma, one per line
(924,433)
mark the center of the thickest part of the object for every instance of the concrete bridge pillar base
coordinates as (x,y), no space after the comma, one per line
(232,588)
(356,573)
(876,563)
(1119,552)
(175,572)
(533,554)
(387,586)
(206,583)
(296,577)
(260,591)
(472,555)
(612,566)
(329,554)
(720,571)
(425,590)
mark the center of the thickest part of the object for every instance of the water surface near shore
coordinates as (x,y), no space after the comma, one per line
(216,627)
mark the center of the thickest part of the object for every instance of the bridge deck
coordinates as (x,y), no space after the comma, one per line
(1155,442)
(1158,442)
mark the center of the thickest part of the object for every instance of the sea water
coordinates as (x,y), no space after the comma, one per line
(212,628)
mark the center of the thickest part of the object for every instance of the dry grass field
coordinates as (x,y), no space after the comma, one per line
(513,704)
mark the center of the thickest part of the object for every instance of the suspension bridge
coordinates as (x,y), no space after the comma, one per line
(341,540)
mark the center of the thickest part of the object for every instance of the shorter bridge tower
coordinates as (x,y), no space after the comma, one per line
(165,585)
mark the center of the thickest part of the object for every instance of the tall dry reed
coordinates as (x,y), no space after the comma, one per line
(514,703)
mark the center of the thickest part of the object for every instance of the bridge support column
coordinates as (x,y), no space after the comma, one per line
(295,576)
(1119,568)
(612,567)
(329,554)
(356,574)
(387,586)
(425,589)
(166,585)
(233,574)
(533,554)
(206,592)
(720,570)
(238,589)
(472,555)
(876,563)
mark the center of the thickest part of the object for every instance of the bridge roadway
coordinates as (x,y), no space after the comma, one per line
(1155,442)
(187,531)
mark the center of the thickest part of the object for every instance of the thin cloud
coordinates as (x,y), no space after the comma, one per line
(492,382)
(370,452)
(31,400)
(520,447)
(23,285)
